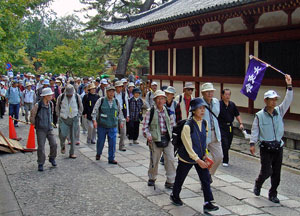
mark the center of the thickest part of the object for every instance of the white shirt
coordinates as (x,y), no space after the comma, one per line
(28,96)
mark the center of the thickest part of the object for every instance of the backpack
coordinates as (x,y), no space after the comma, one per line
(63,96)
(40,106)
(176,134)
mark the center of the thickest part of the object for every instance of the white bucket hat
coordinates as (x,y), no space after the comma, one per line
(170,90)
(131,84)
(46,92)
(207,87)
(271,94)
(188,85)
(118,84)
(28,84)
(159,93)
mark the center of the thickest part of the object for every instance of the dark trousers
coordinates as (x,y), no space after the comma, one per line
(14,110)
(270,167)
(2,108)
(133,130)
(226,140)
(54,113)
(204,176)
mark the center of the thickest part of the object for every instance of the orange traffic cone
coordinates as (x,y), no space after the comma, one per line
(12,130)
(31,140)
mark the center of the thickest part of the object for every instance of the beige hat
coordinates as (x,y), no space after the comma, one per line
(46,92)
(58,81)
(159,93)
(28,84)
(118,84)
(69,89)
(189,85)
(110,88)
(131,84)
(170,90)
(91,86)
(207,87)
(154,83)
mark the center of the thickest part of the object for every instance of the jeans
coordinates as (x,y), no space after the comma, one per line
(112,138)
(14,110)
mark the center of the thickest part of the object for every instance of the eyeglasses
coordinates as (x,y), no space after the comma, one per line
(190,89)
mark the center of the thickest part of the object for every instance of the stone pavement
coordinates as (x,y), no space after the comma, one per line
(234,196)
(88,187)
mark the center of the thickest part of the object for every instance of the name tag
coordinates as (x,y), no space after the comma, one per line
(103,115)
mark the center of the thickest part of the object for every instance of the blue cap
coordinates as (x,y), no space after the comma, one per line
(196,103)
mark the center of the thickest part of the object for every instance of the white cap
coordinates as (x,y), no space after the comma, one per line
(104,81)
(2,83)
(154,83)
(271,94)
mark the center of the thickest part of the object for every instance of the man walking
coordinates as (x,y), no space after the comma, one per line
(211,114)
(2,98)
(14,98)
(28,99)
(41,117)
(267,130)
(157,128)
(228,111)
(122,98)
(150,95)
(183,102)
(106,114)
(68,108)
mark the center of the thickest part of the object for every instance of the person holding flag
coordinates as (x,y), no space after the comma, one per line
(267,130)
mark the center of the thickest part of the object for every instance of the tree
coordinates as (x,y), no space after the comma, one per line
(108,10)
(11,35)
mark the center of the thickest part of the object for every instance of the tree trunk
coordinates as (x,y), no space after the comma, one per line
(127,49)
(124,58)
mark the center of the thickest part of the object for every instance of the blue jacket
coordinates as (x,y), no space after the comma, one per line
(13,95)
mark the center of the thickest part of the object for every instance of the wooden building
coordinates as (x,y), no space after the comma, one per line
(211,40)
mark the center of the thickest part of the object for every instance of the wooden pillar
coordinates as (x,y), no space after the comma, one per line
(171,66)
(197,83)
(251,102)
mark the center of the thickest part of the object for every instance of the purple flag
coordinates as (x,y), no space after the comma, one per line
(253,78)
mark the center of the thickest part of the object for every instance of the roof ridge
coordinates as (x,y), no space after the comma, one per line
(145,13)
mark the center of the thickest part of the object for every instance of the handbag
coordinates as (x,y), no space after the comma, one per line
(164,142)
(271,146)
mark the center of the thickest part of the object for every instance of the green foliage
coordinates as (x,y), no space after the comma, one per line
(11,36)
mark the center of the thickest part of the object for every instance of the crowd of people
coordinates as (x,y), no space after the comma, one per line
(106,108)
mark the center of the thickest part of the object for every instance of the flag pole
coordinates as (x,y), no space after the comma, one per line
(268,65)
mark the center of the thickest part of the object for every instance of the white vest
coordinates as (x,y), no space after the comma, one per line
(28,96)
(69,110)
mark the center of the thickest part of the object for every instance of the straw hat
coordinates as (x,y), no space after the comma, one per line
(207,87)
(46,92)
(159,93)
(91,86)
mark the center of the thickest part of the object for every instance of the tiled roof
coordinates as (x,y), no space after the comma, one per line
(173,10)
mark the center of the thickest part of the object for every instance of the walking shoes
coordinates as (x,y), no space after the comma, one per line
(41,167)
(274,199)
(176,201)
(256,191)
(209,207)
(113,162)
(169,185)
(53,162)
(151,183)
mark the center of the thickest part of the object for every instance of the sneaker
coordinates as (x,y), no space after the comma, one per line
(77,143)
(151,183)
(41,167)
(256,191)
(169,185)
(122,149)
(225,165)
(16,125)
(72,156)
(113,162)
(52,161)
(135,142)
(93,142)
(274,199)
(209,207)
(98,157)
(176,201)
